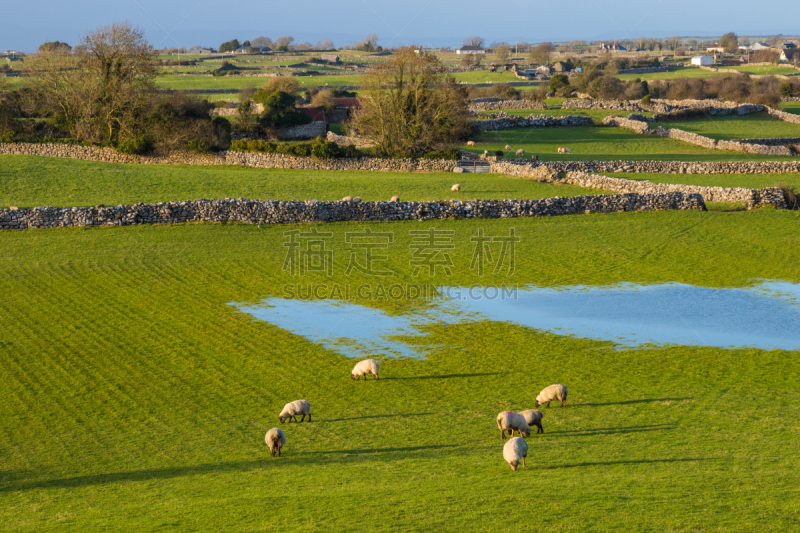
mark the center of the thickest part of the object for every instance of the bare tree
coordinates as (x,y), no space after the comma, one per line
(673,42)
(468,60)
(100,92)
(541,53)
(410,106)
(261,42)
(325,44)
(283,43)
(474,41)
(502,53)
(369,44)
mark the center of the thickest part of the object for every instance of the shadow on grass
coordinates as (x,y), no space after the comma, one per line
(374,416)
(611,431)
(448,376)
(631,402)
(631,462)
(182,471)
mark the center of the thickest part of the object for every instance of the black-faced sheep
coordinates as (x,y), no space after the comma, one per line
(509,420)
(515,451)
(552,393)
(275,439)
(367,366)
(294,409)
(534,418)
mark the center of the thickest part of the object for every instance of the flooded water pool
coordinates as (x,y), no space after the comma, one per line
(766,316)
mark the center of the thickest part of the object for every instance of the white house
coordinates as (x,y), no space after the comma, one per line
(759,46)
(471,50)
(703,61)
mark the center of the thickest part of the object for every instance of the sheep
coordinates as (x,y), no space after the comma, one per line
(470,143)
(508,147)
(533,418)
(367,366)
(564,151)
(292,409)
(551,393)
(509,420)
(514,451)
(275,439)
(521,151)
(347,199)
(395,199)
(456,188)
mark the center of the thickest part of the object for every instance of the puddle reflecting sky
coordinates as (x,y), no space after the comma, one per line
(766,316)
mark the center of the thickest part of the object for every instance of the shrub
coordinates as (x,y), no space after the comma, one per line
(137,145)
(323,149)
(790,194)
(789,90)
(452,154)
(252,145)
(559,81)
(646,100)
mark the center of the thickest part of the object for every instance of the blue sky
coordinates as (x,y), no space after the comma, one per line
(24,25)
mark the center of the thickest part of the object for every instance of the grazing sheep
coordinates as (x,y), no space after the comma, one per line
(533,418)
(509,420)
(470,143)
(521,151)
(456,188)
(367,366)
(395,198)
(275,439)
(564,151)
(515,451)
(552,393)
(347,199)
(508,147)
(293,409)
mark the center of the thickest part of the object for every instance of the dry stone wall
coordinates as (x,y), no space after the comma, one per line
(278,212)
(638,126)
(505,105)
(676,167)
(531,121)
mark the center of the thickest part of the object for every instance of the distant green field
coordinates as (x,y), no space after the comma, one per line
(750,181)
(764,70)
(791,107)
(597,114)
(601,143)
(28,181)
(239,82)
(673,74)
(753,126)
(484,76)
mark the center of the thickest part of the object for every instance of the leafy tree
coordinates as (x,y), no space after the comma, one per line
(410,106)
(229,46)
(279,110)
(729,42)
(246,43)
(559,81)
(474,41)
(468,60)
(54,45)
(286,84)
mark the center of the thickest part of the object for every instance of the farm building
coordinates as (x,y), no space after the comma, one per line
(561,67)
(204,51)
(703,61)
(330,58)
(464,50)
(791,55)
(613,47)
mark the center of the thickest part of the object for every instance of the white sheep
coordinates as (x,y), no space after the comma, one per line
(564,151)
(509,420)
(534,418)
(552,393)
(456,187)
(275,439)
(367,366)
(395,198)
(515,451)
(294,409)
(347,199)
(521,151)
(470,143)
(508,147)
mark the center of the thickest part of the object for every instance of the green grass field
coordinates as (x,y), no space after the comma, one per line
(172,81)
(136,398)
(29,181)
(597,114)
(601,143)
(751,181)
(753,126)
(791,107)
(763,70)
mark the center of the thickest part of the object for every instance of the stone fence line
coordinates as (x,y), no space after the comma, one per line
(284,212)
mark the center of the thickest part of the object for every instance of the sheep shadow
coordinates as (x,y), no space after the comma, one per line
(632,402)
(374,416)
(446,376)
(611,431)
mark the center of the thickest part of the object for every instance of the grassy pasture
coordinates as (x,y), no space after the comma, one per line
(791,107)
(29,181)
(602,143)
(673,74)
(753,126)
(751,181)
(597,114)
(763,70)
(136,399)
